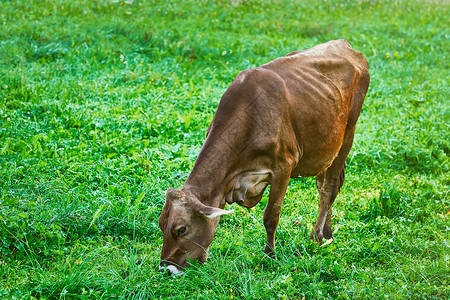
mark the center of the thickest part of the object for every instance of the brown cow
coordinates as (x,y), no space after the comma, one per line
(294,116)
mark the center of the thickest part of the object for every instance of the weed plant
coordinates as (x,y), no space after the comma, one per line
(105,104)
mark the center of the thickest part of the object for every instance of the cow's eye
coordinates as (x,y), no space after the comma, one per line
(181,231)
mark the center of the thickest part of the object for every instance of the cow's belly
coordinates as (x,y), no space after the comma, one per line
(311,168)
(318,153)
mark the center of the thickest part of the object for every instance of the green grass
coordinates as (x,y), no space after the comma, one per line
(104,105)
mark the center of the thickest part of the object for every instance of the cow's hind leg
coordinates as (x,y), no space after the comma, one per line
(329,183)
(328,187)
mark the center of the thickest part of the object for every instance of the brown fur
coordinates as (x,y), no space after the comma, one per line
(294,116)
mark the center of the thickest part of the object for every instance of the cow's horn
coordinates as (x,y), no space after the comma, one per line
(213,212)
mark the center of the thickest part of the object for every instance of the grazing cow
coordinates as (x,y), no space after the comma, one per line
(292,117)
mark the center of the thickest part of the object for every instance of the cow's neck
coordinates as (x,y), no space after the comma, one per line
(220,158)
(211,173)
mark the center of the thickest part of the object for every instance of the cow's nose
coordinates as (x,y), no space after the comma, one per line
(171,270)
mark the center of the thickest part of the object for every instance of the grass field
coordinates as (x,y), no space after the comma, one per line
(105,104)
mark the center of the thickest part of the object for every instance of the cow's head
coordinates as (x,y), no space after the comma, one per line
(188,227)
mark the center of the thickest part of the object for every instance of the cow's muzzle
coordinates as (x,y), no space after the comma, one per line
(170,269)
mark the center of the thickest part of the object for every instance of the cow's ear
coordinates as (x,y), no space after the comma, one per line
(213,212)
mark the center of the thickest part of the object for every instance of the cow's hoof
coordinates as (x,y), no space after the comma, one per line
(315,237)
(270,252)
(327,233)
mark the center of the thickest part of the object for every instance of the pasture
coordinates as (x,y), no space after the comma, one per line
(105,104)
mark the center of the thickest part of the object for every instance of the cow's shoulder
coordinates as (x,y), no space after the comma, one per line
(259,81)
(255,96)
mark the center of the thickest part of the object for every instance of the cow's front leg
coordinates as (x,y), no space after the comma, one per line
(272,212)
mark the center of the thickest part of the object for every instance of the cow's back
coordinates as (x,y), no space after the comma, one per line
(332,71)
(325,88)
(299,104)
